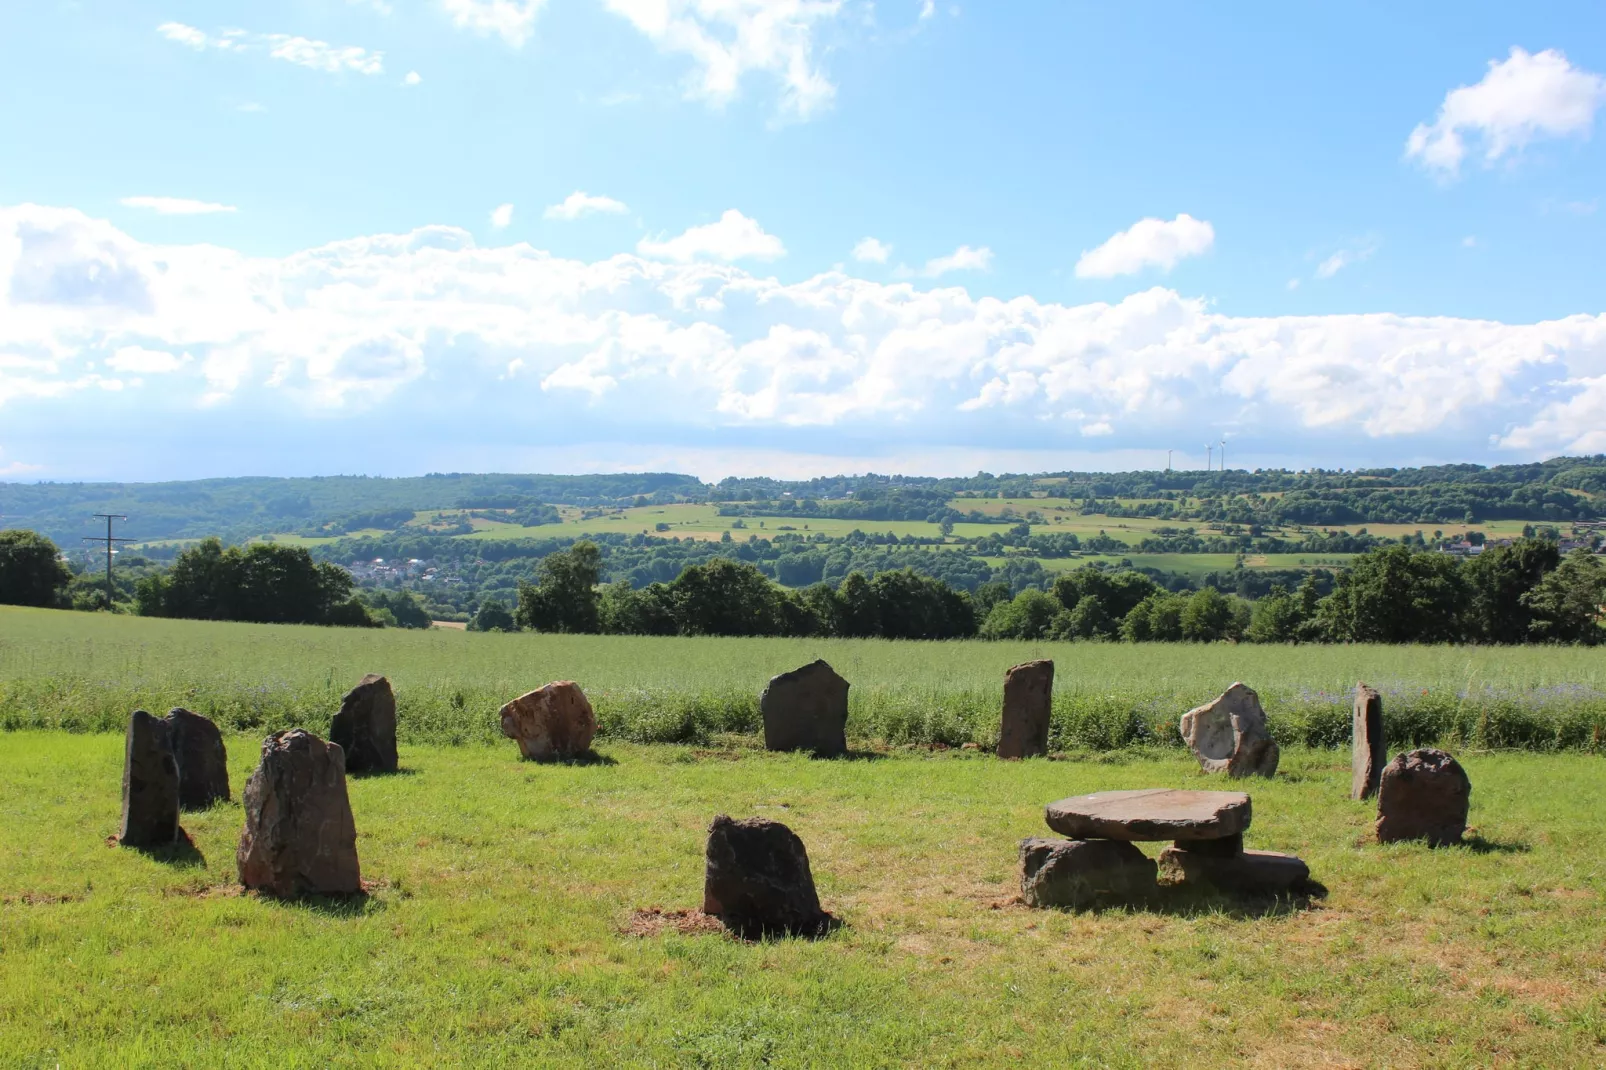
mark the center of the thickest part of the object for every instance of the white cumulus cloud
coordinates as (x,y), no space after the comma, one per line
(291,48)
(580,203)
(136,360)
(734,237)
(1147,243)
(1523,98)
(322,56)
(511,20)
(176,205)
(412,78)
(430,326)
(963,258)
(502,216)
(727,39)
(871,251)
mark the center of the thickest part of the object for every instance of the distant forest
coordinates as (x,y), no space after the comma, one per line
(1557,490)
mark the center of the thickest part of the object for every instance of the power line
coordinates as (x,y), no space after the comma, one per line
(111,549)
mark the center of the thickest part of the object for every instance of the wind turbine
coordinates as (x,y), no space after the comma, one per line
(1209,454)
(1168,454)
(1224,454)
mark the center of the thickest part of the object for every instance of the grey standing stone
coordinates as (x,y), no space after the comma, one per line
(1266,872)
(365,727)
(203,761)
(1078,873)
(1229,735)
(299,836)
(1028,702)
(806,709)
(150,784)
(1368,749)
(1424,795)
(757,879)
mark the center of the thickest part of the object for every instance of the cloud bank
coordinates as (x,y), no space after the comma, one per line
(435,337)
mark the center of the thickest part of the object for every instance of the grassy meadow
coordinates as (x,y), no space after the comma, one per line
(512,920)
(85,672)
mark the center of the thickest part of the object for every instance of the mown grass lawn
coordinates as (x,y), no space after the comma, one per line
(502,891)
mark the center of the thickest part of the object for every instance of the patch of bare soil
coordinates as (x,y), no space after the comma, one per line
(654,920)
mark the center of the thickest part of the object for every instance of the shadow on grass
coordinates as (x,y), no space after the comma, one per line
(851,755)
(180,854)
(380,774)
(589,757)
(1480,846)
(1192,901)
(333,906)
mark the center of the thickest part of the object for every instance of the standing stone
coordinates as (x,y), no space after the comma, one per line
(1424,795)
(365,727)
(1368,753)
(1028,701)
(203,762)
(806,709)
(1229,735)
(1077,873)
(757,879)
(150,784)
(299,837)
(555,721)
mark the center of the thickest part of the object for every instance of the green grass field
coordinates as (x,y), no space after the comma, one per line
(502,926)
(86,671)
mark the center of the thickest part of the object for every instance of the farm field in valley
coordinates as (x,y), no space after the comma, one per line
(702,521)
(87,671)
(509,921)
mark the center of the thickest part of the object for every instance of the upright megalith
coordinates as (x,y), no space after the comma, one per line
(203,761)
(806,709)
(1423,795)
(150,784)
(757,879)
(551,722)
(1368,749)
(1028,702)
(299,836)
(1229,735)
(365,727)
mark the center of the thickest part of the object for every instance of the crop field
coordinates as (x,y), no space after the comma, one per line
(86,671)
(513,918)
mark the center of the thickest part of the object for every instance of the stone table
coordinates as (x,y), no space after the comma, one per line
(1151,814)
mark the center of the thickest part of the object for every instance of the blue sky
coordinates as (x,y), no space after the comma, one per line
(795,236)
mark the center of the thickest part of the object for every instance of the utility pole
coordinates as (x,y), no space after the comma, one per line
(111,548)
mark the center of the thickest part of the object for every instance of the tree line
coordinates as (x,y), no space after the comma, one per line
(1526,591)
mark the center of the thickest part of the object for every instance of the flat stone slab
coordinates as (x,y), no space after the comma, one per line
(1267,872)
(1151,814)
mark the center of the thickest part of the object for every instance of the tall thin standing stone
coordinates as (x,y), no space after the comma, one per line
(150,784)
(1369,754)
(1028,702)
